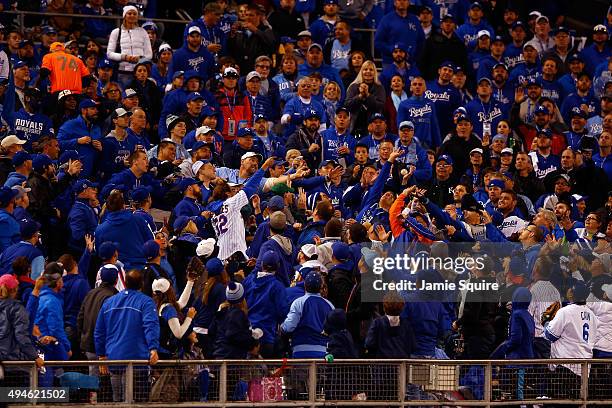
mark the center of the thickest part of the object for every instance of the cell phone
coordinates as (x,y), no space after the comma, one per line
(486,128)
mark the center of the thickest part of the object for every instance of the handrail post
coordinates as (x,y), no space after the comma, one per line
(312,383)
(33,381)
(584,383)
(401,385)
(223,383)
(487,385)
(129,384)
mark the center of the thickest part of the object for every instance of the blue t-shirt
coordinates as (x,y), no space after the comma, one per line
(339,56)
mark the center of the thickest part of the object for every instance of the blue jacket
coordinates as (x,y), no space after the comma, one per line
(262,234)
(127,327)
(384,341)
(175,102)
(521,329)
(592,57)
(14,179)
(74,129)
(231,334)
(297,109)
(513,56)
(82,220)
(373,144)
(128,179)
(76,287)
(115,152)
(50,318)
(421,112)
(210,35)
(574,99)
(311,230)
(267,304)
(394,29)
(485,67)
(201,61)
(9,230)
(321,31)
(287,254)
(130,232)
(305,322)
(523,73)
(22,248)
(15,341)
(286,86)
(423,170)
(392,70)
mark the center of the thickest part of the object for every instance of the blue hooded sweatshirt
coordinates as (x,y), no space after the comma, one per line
(394,29)
(201,61)
(14,179)
(267,302)
(130,232)
(127,327)
(50,320)
(68,135)
(9,230)
(286,252)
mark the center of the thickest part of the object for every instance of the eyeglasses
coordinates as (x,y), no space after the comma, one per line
(590,218)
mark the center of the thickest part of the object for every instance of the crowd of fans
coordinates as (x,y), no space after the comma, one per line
(228,197)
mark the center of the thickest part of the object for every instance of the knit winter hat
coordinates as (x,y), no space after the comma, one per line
(234,293)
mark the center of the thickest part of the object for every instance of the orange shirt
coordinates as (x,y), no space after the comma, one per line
(66,71)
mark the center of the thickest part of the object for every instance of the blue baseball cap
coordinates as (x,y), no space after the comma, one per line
(186,182)
(499,65)
(545,132)
(276,203)
(109,272)
(497,38)
(177,74)
(445,158)
(269,261)
(180,223)
(576,111)
(48,30)
(68,155)
(561,29)
(194,96)
(497,183)
(107,189)
(207,112)
(149,25)
(150,249)
(260,116)
(107,250)
(41,161)
(534,81)
(475,5)
(245,131)
(447,64)
(21,157)
(341,251)
(400,46)
(311,113)
(448,16)
(198,145)
(287,40)
(28,227)
(105,63)
(6,195)
(82,185)
(541,109)
(88,103)
(406,124)
(376,116)
(140,194)
(19,64)
(463,117)
(214,267)
(518,24)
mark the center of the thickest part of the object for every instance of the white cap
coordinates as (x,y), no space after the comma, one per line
(309,250)
(230,70)
(576,197)
(160,285)
(195,167)
(482,33)
(406,123)
(129,8)
(206,247)
(535,14)
(167,140)
(248,155)
(130,92)
(163,47)
(11,140)
(252,74)
(476,150)
(63,93)
(304,33)
(194,29)
(229,183)
(542,17)
(202,130)
(507,150)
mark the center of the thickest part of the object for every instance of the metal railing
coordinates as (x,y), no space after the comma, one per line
(304,382)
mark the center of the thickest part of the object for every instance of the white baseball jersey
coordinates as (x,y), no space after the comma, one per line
(543,294)
(575,327)
(229,226)
(512,224)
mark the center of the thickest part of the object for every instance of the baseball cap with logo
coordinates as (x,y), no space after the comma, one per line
(194,29)
(230,72)
(120,112)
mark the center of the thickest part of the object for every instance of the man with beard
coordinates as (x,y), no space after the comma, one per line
(83,135)
(30,125)
(513,221)
(400,66)
(578,129)
(544,162)
(445,97)
(583,97)
(503,91)
(599,51)
(190,205)
(525,178)
(307,139)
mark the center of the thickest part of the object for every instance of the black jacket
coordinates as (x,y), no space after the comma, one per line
(246,49)
(88,315)
(439,48)
(301,140)
(459,149)
(285,23)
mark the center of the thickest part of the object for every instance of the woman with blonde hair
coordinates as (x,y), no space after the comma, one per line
(364,97)
(128,44)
